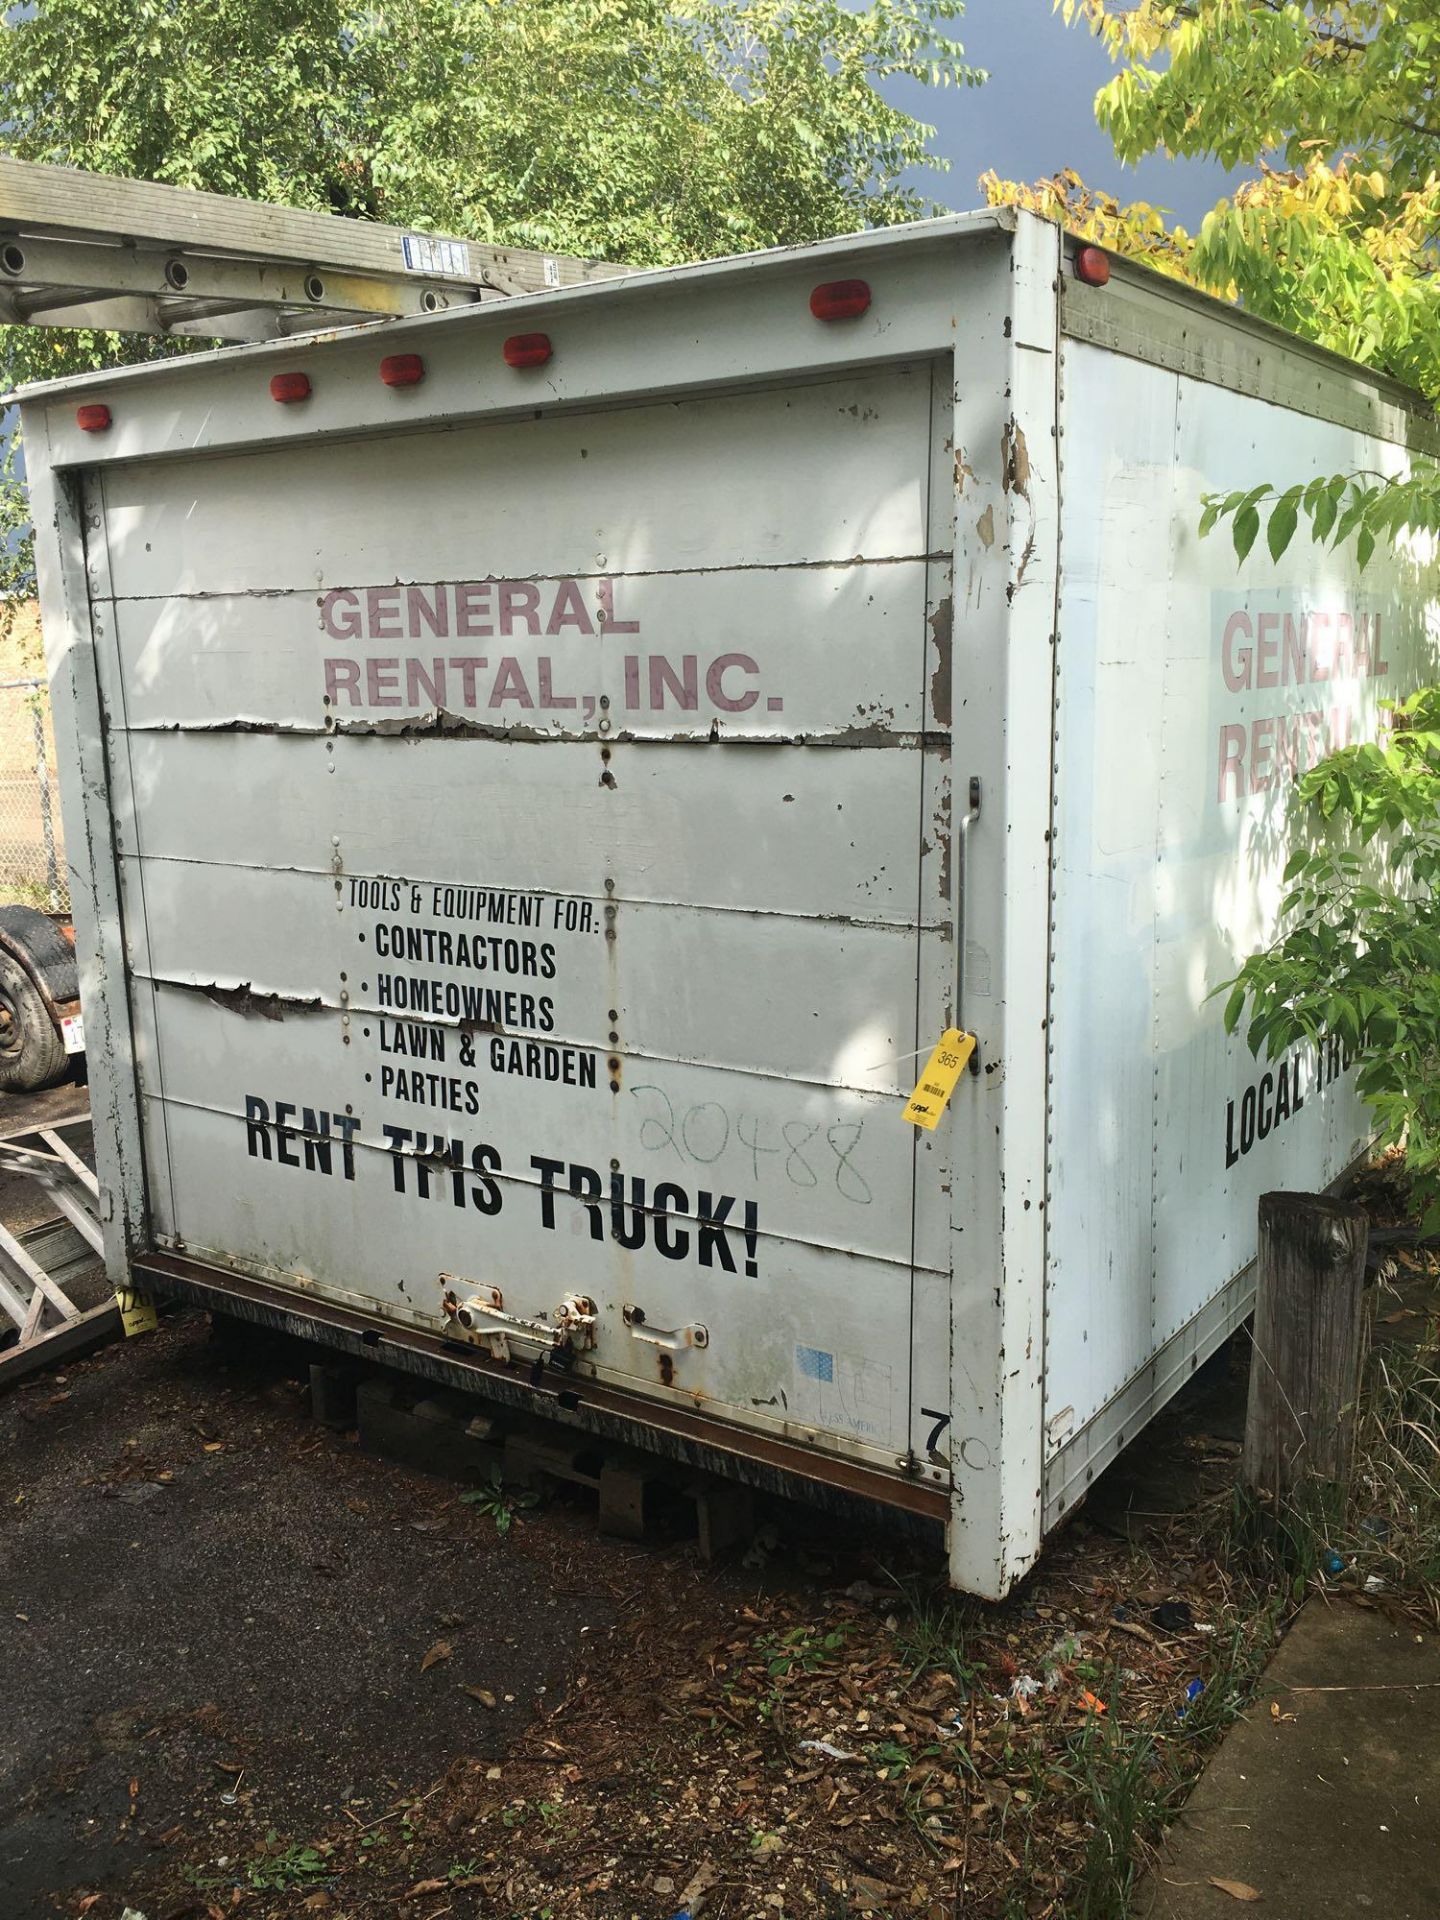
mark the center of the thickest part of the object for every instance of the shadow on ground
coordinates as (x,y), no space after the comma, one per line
(216,1616)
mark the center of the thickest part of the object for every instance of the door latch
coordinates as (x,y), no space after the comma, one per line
(674,1339)
(480,1316)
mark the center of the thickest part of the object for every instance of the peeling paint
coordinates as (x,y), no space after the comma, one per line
(244,1000)
(1014,460)
(985,527)
(1026,557)
(945,840)
(941,623)
(441,723)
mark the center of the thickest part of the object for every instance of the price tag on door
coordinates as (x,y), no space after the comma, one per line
(936,1084)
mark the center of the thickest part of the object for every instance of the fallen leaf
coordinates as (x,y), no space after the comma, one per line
(441,1650)
(426,1886)
(870,1895)
(1236,1889)
(482,1694)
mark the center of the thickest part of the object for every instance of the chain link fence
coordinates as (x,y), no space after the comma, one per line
(32,851)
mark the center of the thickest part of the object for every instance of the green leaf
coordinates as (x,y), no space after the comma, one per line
(1283,516)
(1244,530)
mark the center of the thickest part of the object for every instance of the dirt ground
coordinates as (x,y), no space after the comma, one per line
(254,1670)
(251,1670)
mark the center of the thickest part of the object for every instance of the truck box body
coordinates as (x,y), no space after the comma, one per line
(530,826)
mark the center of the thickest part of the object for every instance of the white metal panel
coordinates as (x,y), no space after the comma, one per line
(799,1148)
(718,325)
(1112,659)
(67,582)
(811,1358)
(812,474)
(1007,505)
(838,1011)
(1177,723)
(703,931)
(676,818)
(535,656)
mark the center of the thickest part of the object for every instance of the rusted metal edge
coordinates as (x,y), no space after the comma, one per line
(657,1427)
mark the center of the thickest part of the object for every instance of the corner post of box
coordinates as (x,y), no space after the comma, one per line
(66,619)
(1007,546)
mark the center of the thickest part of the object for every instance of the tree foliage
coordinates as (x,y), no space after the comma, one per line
(1135,229)
(1335,237)
(1363,930)
(631,130)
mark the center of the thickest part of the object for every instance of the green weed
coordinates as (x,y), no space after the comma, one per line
(500,1503)
(278,1868)
(798,1650)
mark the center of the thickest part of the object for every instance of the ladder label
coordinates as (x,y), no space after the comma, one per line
(425,254)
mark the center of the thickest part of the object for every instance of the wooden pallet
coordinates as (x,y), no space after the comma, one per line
(452,1434)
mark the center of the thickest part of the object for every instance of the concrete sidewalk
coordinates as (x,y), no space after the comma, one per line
(1331,1812)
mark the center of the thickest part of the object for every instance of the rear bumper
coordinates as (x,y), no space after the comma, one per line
(677,1432)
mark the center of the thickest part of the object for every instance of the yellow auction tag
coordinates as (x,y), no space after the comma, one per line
(137,1314)
(936,1084)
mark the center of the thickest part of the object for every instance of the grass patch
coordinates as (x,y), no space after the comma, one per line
(938,1631)
(1392,1529)
(1385,1528)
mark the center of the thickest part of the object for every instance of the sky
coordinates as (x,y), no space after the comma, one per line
(1036,115)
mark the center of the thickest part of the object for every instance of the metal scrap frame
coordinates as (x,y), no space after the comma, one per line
(50,1325)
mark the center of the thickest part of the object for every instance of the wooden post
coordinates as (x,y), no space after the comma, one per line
(1309,1341)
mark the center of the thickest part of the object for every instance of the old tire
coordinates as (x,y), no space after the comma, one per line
(32,1054)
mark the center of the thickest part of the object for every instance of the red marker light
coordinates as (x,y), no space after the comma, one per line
(527,350)
(402,370)
(94,418)
(840,299)
(286,387)
(1093,267)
